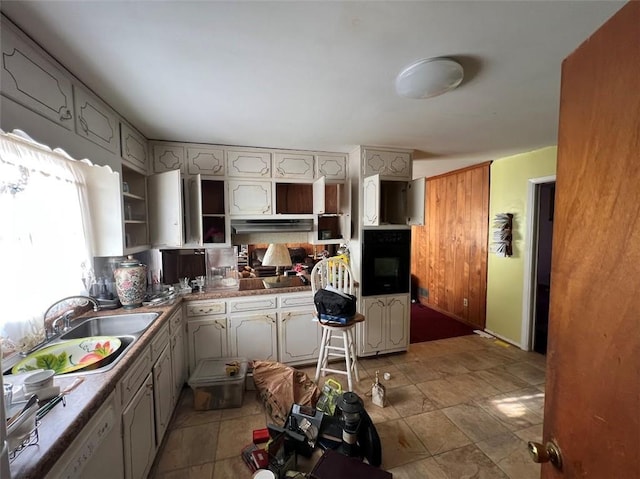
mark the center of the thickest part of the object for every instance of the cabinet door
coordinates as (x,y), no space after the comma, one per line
(298,336)
(253,336)
(162,392)
(250,197)
(205,161)
(389,164)
(134,149)
(207,338)
(319,198)
(138,432)
(397,334)
(165,209)
(253,164)
(416,194)
(207,219)
(104,208)
(331,167)
(371,201)
(32,80)
(167,157)
(178,364)
(372,330)
(194,211)
(95,120)
(289,165)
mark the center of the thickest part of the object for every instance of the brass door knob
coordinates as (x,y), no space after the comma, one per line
(547,453)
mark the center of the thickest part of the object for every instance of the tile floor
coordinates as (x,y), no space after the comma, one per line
(457,408)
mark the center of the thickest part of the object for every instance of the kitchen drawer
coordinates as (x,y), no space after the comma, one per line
(205,308)
(159,342)
(256,304)
(135,376)
(293,300)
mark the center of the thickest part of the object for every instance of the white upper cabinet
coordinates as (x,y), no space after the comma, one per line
(392,202)
(250,197)
(134,149)
(34,81)
(331,167)
(205,161)
(386,163)
(165,209)
(167,157)
(293,165)
(95,120)
(254,164)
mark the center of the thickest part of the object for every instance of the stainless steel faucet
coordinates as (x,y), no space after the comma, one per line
(54,329)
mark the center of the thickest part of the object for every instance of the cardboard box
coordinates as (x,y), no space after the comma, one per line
(214,388)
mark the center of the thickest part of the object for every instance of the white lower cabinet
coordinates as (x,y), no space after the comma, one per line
(267,327)
(139,432)
(299,333)
(162,393)
(207,331)
(253,336)
(386,325)
(178,360)
(148,397)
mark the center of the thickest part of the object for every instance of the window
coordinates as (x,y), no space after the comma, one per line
(44,236)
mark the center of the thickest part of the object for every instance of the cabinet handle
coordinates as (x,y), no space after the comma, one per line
(83,124)
(149,386)
(66,115)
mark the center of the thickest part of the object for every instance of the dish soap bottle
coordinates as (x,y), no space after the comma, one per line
(131,282)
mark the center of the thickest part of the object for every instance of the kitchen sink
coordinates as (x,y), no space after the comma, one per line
(114,325)
(126,327)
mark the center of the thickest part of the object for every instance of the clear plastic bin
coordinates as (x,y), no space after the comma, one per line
(213,388)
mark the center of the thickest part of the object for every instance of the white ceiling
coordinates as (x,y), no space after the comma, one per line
(320,75)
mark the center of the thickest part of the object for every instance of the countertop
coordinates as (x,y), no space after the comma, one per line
(60,426)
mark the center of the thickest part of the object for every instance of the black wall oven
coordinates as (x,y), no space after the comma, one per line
(386,261)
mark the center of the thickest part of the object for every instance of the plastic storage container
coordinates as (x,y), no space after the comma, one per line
(213,388)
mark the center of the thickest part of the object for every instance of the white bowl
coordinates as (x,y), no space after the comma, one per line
(39,380)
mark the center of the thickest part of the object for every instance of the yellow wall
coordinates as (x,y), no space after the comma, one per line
(505,276)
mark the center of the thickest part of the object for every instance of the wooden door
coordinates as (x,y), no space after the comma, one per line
(592,407)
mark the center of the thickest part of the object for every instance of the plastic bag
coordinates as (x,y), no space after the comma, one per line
(281,386)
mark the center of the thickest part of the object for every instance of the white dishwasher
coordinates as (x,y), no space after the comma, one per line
(97,450)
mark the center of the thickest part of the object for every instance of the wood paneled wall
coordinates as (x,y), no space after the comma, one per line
(449,253)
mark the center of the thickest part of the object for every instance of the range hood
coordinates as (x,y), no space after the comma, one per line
(271,225)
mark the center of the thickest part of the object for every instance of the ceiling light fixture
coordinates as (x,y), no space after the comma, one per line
(429,77)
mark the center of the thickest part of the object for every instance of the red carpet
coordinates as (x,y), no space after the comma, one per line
(428,325)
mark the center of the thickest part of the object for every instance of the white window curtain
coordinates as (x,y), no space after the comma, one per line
(45,239)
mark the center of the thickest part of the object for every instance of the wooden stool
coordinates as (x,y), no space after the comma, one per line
(346,351)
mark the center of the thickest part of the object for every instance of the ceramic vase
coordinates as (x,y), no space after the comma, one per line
(131,282)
